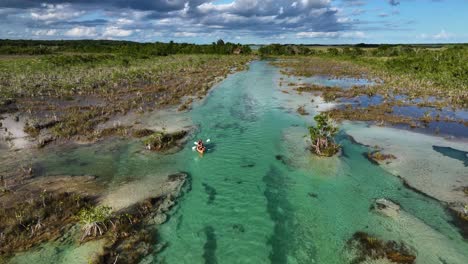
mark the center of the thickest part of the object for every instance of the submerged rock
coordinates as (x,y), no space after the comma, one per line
(386,207)
(159,219)
(376,157)
(368,247)
(460,218)
(132,238)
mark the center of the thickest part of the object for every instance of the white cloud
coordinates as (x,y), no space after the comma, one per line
(51,12)
(45,32)
(113,31)
(442,35)
(334,34)
(81,32)
(258,19)
(185,34)
(125,21)
(353,34)
(317,34)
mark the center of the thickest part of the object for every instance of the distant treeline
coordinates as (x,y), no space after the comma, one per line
(361,49)
(43,47)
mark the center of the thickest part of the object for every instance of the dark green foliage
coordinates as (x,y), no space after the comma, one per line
(278,49)
(446,67)
(132,49)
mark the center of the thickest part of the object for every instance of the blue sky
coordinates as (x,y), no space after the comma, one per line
(243,21)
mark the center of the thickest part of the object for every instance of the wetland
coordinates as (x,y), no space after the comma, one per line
(98,165)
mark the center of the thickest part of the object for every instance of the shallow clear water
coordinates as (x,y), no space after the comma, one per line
(258,196)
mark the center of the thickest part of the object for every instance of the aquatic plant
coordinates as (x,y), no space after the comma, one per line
(322,136)
(94,220)
(162,141)
(368,247)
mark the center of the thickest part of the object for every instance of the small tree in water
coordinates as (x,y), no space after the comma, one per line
(93,220)
(322,136)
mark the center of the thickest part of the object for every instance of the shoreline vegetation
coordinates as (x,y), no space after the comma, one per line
(69,91)
(73,86)
(48,215)
(400,77)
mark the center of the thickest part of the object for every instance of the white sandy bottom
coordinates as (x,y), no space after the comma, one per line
(422,167)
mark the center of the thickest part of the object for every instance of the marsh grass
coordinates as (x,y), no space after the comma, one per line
(58,87)
(415,72)
(32,222)
(390,85)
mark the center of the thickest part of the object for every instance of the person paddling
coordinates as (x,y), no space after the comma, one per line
(200,146)
(199,143)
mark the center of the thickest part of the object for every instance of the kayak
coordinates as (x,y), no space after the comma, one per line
(202,150)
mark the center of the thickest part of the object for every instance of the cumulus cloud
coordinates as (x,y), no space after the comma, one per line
(51,12)
(138,19)
(113,31)
(45,32)
(185,34)
(442,35)
(328,35)
(80,32)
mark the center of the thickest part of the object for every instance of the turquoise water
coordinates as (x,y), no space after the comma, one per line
(258,196)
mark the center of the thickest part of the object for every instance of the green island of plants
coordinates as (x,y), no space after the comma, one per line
(322,136)
(93,220)
(160,141)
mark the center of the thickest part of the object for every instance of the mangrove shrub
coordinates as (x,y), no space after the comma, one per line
(322,136)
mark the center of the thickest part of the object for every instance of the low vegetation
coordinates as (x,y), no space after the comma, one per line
(433,78)
(161,141)
(415,71)
(66,91)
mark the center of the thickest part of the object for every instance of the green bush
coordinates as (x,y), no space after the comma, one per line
(322,136)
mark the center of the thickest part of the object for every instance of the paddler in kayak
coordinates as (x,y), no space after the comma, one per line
(200,147)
